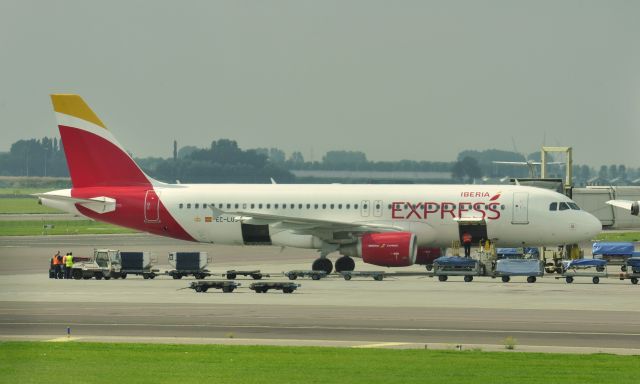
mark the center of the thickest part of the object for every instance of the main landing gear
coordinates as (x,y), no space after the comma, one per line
(345,264)
(322,264)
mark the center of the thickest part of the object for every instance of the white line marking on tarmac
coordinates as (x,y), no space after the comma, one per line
(381,345)
(63,339)
(326,328)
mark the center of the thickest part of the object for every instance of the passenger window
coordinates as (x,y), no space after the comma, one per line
(348,206)
(275,206)
(220,205)
(355,206)
(237,206)
(339,206)
(252,206)
(188,205)
(244,205)
(259,206)
(204,205)
(331,206)
(196,206)
(324,206)
(365,206)
(315,206)
(268,206)
(377,206)
(299,206)
(180,205)
(564,206)
(308,206)
(228,206)
(553,206)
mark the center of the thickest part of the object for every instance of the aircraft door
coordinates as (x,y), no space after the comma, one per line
(377,208)
(364,208)
(520,208)
(151,207)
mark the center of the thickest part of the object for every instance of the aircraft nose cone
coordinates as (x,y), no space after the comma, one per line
(593,226)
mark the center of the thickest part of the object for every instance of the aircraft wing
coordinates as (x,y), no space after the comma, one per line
(511,162)
(306,225)
(633,206)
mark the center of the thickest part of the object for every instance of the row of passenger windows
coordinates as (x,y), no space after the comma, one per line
(563,206)
(319,206)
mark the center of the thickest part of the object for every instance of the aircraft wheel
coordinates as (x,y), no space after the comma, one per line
(322,264)
(345,263)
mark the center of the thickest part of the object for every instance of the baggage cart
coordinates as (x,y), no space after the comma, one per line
(615,253)
(446,266)
(264,287)
(189,263)
(314,275)
(137,263)
(594,268)
(376,275)
(255,274)
(225,285)
(507,268)
(632,271)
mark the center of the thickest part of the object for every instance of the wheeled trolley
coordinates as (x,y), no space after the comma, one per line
(315,275)
(264,287)
(632,270)
(446,266)
(255,274)
(593,268)
(225,285)
(508,268)
(376,275)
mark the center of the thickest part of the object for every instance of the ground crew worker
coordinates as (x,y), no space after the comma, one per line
(69,265)
(64,265)
(466,242)
(55,262)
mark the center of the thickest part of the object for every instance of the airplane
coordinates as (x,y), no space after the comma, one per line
(385,225)
(632,206)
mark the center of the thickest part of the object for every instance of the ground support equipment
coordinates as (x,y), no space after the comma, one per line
(315,275)
(376,275)
(264,287)
(203,286)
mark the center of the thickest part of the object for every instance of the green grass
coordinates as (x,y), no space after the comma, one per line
(18,205)
(39,362)
(618,236)
(62,227)
(22,191)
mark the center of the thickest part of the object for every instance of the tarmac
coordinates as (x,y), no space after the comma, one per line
(405,310)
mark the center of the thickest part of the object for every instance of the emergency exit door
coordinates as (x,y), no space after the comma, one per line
(520,208)
(151,207)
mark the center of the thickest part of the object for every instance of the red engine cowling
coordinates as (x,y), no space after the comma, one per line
(391,249)
(427,255)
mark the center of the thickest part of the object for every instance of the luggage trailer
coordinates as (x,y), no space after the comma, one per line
(203,286)
(189,263)
(264,287)
(446,266)
(376,275)
(508,268)
(315,275)
(632,272)
(255,274)
(594,268)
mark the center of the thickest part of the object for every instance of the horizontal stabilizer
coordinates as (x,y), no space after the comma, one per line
(100,204)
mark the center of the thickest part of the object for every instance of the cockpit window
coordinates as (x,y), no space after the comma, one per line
(574,206)
(564,206)
(553,206)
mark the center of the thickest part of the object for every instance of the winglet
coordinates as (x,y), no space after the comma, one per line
(73,105)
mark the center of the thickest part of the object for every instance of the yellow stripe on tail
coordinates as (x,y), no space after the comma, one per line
(73,105)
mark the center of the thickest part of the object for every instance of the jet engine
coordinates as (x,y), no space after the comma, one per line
(389,249)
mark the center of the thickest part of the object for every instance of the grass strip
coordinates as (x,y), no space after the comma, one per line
(618,236)
(62,227)
(17,205)
(73,362)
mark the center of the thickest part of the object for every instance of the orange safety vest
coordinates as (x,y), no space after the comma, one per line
(466,238)
(56,260)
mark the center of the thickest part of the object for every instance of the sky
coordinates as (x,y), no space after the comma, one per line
(419,80)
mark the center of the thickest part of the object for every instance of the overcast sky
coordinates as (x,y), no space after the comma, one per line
(398,80)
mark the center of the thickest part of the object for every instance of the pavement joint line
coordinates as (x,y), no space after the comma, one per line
(326,328)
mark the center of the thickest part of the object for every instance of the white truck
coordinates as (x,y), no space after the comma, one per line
(105,263)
